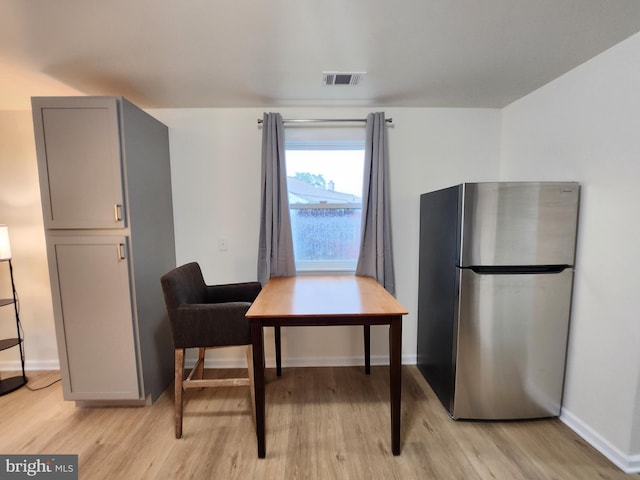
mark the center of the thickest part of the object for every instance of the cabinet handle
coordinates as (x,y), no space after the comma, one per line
(117,212)
(121,252)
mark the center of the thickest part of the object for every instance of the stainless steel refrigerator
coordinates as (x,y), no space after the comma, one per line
(495,285)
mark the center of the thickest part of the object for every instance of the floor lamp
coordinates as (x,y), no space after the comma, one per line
(12,383)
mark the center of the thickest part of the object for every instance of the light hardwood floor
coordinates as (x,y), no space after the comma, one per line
(322,423)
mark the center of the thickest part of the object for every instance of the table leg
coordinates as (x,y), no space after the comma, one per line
(276,335)
(395,371)
(367,349)
(258,378)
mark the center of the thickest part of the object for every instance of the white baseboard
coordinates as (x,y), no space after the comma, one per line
(626,463)
(239,362)
(44,365)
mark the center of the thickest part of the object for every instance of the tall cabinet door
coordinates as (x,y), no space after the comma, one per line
(96,335)
(80,164)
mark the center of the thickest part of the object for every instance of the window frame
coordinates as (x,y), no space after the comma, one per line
(309,143)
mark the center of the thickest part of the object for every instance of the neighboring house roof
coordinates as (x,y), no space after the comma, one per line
(302,192)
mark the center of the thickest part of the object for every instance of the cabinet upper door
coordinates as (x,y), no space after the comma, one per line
(79,162)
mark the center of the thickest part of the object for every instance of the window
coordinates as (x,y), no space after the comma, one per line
(324,179)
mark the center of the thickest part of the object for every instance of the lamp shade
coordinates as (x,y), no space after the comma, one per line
(5,246)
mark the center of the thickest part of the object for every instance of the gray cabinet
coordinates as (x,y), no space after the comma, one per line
(106,197)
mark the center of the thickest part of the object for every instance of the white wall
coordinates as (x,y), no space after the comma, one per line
(585,126)
(215,160)
(20,210)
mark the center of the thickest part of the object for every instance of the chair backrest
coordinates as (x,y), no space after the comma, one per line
(199,318)
(182,286)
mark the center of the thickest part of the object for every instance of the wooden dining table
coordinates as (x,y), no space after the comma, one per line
(327,300)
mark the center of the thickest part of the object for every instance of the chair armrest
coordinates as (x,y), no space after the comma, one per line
(233,292)
(211,325)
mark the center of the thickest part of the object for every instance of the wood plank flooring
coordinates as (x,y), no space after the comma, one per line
(322,423)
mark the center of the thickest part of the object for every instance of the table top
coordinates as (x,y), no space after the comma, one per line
(324,296)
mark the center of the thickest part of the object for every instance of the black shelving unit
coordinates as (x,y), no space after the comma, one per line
(12,383)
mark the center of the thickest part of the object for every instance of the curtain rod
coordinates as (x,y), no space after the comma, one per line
(324,120)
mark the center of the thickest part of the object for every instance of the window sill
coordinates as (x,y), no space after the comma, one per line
(327,272)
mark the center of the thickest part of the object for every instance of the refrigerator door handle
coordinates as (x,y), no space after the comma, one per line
(515,270)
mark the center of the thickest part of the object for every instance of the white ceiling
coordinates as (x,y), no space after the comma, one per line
(258,53)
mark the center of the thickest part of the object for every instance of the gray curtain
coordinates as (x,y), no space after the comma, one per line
(376,258)
(275,250)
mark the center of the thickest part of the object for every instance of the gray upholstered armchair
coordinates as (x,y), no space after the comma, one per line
(205,316)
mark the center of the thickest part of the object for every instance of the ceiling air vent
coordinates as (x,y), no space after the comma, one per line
(342,78)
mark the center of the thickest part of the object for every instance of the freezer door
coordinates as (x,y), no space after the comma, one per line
(512,338)
(519,223)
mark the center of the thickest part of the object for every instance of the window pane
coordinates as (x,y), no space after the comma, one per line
(326,234)
(325,189)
